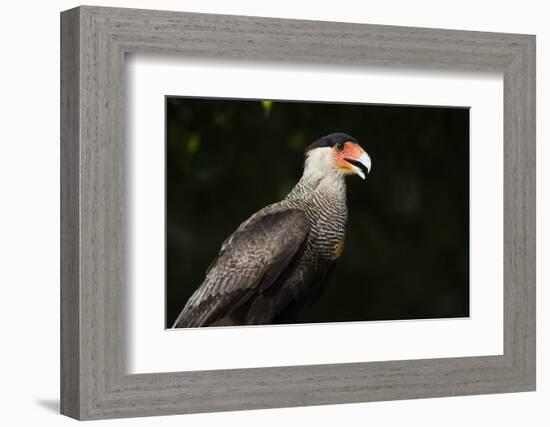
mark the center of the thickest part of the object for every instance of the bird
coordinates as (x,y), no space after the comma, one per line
(278,261)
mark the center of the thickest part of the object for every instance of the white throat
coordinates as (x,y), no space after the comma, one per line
(321,173)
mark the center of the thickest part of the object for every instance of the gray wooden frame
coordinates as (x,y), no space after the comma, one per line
(94,41)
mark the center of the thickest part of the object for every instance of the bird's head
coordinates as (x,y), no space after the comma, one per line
(337,154)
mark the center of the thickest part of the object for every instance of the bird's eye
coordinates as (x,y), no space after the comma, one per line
(340,146)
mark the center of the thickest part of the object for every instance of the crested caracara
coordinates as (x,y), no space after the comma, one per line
(278,261)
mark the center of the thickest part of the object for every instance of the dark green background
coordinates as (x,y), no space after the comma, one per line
(407,241)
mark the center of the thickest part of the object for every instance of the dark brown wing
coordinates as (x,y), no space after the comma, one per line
(250,260)
(285,304)
(321,284)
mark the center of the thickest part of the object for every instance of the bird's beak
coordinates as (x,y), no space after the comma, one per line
(361,165)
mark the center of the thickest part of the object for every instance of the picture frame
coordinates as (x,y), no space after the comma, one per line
(94,42)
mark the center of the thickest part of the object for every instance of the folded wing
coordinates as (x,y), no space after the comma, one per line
(251,260)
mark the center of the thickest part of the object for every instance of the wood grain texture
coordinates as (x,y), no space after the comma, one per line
(70,359)
(94,382)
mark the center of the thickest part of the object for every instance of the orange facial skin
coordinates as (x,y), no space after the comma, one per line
(349,150)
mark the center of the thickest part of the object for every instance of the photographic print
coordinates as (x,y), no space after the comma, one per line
(292,212)
(155,186)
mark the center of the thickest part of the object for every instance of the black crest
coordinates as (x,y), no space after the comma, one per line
(330,140)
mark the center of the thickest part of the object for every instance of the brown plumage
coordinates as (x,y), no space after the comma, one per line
(278,261)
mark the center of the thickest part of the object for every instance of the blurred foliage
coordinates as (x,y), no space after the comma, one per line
(266,105)
(407,242)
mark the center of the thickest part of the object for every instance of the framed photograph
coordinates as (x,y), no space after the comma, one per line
(262,213)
